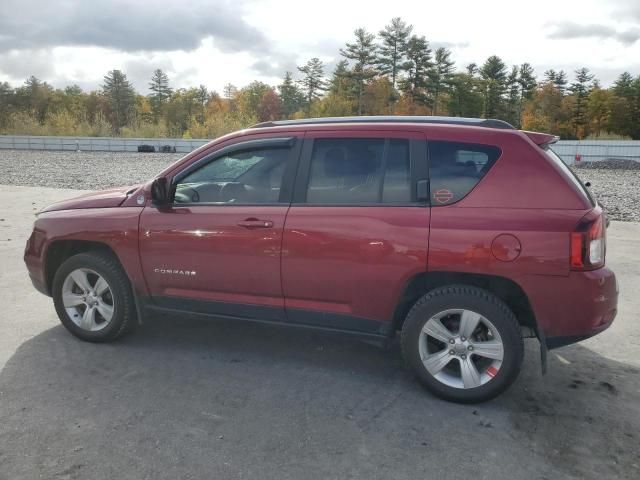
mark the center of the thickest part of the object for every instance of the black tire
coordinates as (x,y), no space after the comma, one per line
(124,318)
(487,305)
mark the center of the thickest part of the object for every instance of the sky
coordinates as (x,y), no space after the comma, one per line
(215,42)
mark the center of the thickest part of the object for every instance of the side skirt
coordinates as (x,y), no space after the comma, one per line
(366,329)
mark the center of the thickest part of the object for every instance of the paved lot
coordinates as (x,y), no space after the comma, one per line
(212,399)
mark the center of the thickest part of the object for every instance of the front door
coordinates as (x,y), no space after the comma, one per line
(216,248)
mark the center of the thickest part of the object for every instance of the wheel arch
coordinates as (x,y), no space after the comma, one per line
(60,250)
(504,288)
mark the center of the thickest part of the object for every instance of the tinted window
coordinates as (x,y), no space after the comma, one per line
(356,170)
(247,177)
(455,168)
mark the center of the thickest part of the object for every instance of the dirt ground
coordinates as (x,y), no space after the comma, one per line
(214,399)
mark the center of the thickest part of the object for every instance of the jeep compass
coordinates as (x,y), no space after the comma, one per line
(462,235)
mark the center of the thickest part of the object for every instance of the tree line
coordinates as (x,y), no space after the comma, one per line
(395,72)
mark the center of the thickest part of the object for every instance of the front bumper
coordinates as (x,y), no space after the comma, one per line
(39,285)
(34,260)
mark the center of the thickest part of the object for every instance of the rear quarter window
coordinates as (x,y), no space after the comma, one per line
(569,174)
(455,168)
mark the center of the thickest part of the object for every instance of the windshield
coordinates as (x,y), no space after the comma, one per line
(570,173)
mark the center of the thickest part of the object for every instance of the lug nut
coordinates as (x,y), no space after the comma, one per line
(463,339)
(452,341)
(463,356)
(451,352)
(470,347)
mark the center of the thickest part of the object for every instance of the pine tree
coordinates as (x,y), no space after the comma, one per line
(527,81)
(159,86)
(580,90)
(440,76)
(203,98)
(513,97)
(340,83)
(417,66)
(121,98)
(494,75)
(391,52)
(550,76)
(312,82)
(623,86)
(465,96)
(291,96)
(561,81)
(557,79)
(363,52)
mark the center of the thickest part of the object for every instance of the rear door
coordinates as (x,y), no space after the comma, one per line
(357,229)
(216,249)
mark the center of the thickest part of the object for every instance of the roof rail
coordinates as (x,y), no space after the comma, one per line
(475,122)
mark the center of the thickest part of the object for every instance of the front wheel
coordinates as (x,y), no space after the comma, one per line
(93,297)
(463,343)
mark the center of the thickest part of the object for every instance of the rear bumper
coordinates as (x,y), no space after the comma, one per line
(573,308)
(557,342)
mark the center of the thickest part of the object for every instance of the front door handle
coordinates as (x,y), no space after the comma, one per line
(255,223)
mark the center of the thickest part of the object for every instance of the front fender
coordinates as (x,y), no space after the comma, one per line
(116,228)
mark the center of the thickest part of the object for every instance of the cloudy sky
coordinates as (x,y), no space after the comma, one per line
(214,42)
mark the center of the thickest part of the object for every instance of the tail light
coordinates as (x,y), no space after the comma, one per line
(588,242)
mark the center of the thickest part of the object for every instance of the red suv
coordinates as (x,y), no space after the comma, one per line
(465,235)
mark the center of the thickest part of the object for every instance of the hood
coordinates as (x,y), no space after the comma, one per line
(112,197)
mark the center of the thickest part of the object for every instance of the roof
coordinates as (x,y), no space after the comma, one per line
(471,122)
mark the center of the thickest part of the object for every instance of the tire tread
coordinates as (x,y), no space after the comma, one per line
(473,292)
(110,264)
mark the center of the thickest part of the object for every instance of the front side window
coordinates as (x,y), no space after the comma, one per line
(246,177)
(455,168)
(359,170)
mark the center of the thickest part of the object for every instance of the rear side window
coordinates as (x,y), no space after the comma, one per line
(456,167)
(359,171)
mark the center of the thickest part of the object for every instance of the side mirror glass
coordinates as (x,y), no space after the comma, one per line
(159,191)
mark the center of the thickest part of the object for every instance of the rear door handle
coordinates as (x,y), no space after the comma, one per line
(255,223)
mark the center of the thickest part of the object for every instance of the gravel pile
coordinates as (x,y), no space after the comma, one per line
(610,164)
(83,170)
(617,189)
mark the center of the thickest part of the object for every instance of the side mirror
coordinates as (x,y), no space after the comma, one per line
(159,192)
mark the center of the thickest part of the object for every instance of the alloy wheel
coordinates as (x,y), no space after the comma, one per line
(461,348)
(87,299)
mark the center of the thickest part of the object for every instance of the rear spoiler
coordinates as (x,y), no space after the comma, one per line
(541,139)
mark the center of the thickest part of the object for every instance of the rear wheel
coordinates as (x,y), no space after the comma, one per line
(93,297)
(463,343)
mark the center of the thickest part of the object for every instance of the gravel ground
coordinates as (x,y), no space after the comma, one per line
(618,189)
(84,170)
